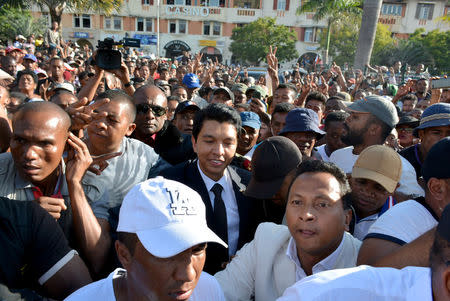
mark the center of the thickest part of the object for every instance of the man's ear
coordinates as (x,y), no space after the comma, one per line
(123,254)
(131,128)
(436,188)
(348,219)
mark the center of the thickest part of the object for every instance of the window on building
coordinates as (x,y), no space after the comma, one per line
(391,9)
(178,2)
(424,11)
(177,26)
(212,28)
(117,23)
(113,23)
(247,4)
(182,26)
(309,34)
(281,5)
(213,3)
(146,2)
(144,24)
(82,21)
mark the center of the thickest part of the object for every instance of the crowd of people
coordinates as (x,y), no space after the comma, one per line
(188,179)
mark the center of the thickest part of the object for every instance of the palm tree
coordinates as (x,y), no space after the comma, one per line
(332,10)
(371,12)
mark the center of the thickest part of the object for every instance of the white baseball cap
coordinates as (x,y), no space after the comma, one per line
(168,217)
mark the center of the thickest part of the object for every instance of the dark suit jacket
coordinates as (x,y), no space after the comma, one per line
(188,174)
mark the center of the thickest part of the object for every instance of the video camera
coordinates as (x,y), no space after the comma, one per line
(108,58)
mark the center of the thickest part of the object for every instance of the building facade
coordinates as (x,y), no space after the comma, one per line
(169,27)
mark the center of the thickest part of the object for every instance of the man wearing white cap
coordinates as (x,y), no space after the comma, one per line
(162,236)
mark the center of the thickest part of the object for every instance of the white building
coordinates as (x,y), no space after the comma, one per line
(206,25)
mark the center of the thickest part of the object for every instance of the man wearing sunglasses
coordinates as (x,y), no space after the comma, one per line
(153,128)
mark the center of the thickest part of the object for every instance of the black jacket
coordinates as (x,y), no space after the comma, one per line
(188,174)
(172,145)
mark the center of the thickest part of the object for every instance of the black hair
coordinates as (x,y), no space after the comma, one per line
(122,97)
(315,95)
(265,118)
(411,97)
(176,87)
(287,86)
(27,72)
(315,166)
(284,107)
(173,81)
(173,98)
(129,240)
(439,254)
(204,91)
(335,116)
(18,95)
(217,112)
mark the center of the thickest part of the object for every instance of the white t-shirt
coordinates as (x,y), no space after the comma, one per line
(207,289)
(403,223)
(345,159)
(363,283)
(323,154)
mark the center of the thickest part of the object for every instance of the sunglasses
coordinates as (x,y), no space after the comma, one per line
(143,108)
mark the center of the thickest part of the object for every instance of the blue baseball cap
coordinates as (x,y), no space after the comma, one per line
(302,120)
(191,81)
(435,115)
(30,56)
(250,119)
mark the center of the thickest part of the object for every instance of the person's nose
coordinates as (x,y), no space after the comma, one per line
(30,152)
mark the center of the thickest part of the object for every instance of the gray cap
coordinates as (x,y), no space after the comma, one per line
(379,107)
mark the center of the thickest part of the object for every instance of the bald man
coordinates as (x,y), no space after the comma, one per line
(153,128)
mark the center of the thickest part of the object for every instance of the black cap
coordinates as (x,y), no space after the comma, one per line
(443,227)
(437,162)
(408,120)
(185,105)
(272,160)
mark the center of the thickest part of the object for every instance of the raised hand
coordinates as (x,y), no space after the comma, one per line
(83,114)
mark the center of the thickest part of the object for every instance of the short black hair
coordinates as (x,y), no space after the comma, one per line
(287,86)
(315,166)
(284,107)
(316,95)
(439,253)
(218,112)
(122,97)
(129,240)
(176,98)
(411,97)
(18,95)
(176,87)
(335,116)
(27,72)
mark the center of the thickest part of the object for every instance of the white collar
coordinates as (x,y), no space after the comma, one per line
(325,264)
(209,183)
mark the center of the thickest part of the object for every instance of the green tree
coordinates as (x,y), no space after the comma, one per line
(437,44)
(251,42)
(342,46)
(56,7)
(333,11)
(17,21)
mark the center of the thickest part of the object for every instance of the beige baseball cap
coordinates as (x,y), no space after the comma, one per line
(381,164)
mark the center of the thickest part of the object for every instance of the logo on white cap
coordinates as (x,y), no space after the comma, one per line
(180,205)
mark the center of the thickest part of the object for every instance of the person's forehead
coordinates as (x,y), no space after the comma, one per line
(315,102)
(216,128)
(283,91)
(438,128)
(335,125)
(46,122)
(222,93)
(301,134)
(279,115)
(64,98)
(319,183)
(151,95)
(188,111)
(113,108)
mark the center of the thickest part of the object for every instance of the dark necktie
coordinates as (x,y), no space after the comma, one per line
(220,213)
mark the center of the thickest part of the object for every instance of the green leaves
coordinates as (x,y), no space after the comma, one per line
(17,21)
(251,42)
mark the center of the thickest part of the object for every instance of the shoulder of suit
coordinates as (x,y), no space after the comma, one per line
(272,233)
(243,173)
(6,161)
(177,172)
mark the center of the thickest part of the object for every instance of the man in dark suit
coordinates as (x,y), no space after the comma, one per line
(228,212)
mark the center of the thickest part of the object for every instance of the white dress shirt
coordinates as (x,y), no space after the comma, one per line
(231,207)
(325,264)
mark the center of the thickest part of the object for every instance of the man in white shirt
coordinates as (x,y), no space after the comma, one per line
(371,120)
(162,236)
(318,215)
(369,283)
(404,234)
(374,180)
